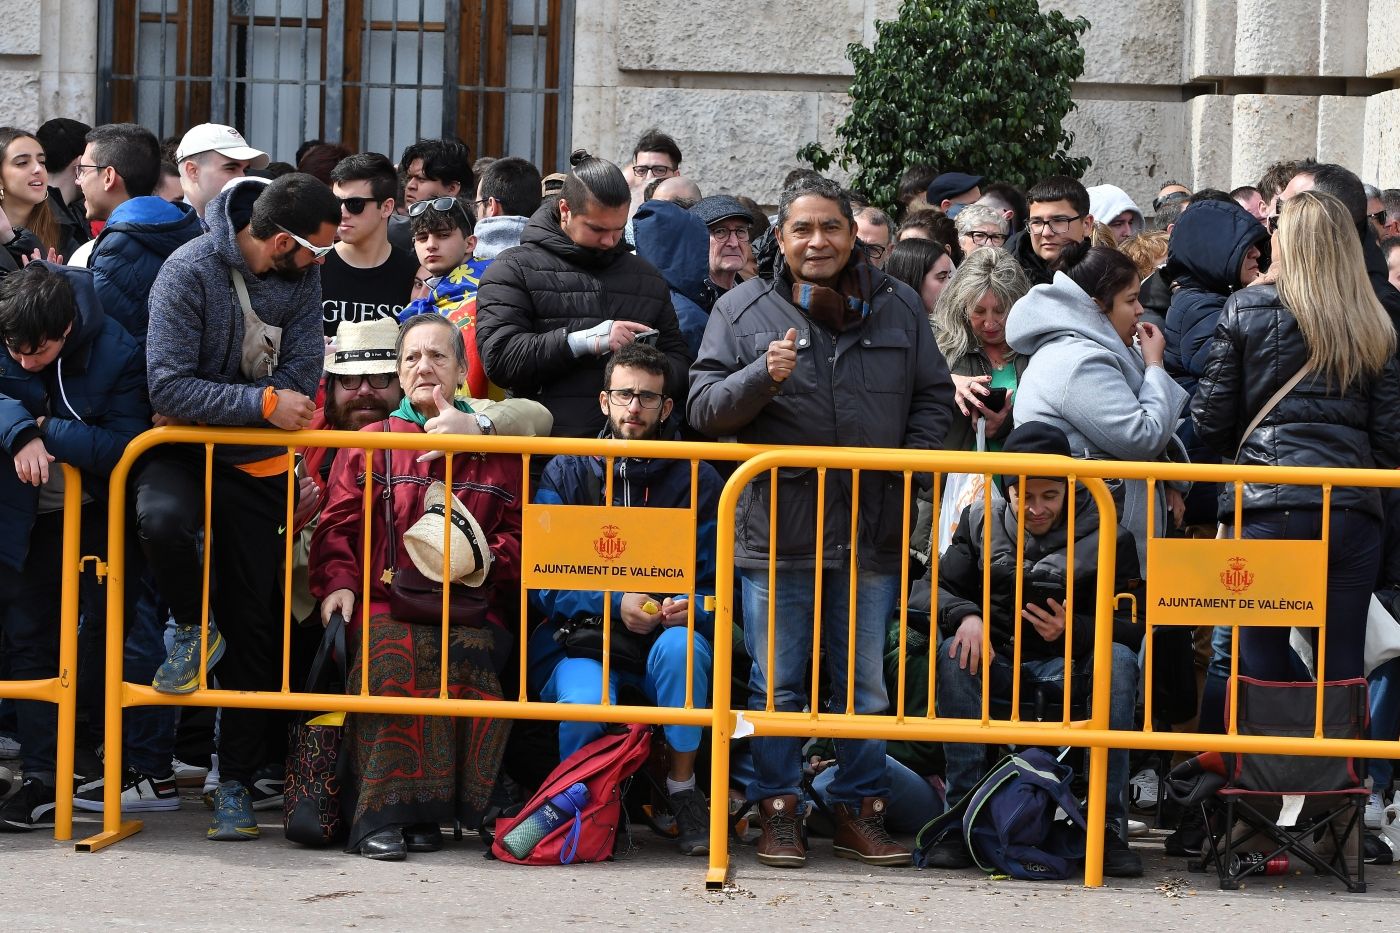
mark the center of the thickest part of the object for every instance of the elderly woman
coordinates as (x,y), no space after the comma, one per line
(412,773)
(969,322)
(979,225)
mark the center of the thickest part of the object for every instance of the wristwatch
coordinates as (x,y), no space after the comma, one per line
(485,424)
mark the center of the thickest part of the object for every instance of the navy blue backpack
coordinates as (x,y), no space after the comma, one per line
(1009,824)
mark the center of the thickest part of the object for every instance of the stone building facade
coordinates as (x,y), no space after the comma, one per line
(1204,91)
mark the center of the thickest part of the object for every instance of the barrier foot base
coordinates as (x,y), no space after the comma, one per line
(715,880)
(103,840)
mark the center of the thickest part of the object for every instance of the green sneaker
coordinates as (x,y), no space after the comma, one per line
(233,814)
(180,672)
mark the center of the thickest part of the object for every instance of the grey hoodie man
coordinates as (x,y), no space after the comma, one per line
(1084,380)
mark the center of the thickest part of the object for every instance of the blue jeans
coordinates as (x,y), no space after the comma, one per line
(29,611)
(959,696)
(1385,718)
(777,760)
(580,680)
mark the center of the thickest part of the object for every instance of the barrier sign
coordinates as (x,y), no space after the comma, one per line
(585,547)
(1248,582)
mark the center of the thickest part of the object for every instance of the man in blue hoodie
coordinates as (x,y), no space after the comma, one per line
(677,243)
(235,338)
(117,173)
(72,391)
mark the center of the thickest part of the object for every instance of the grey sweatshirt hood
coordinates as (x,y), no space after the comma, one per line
(1062,311)
(495,235)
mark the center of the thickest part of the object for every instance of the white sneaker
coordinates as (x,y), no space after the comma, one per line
(9,748)
(187,775)
(1136,828)
(1375,811)
(211,781)
(141,793)
(1143,790)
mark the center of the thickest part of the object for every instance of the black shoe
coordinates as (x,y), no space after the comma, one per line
(1119,861)
(31,808)
(692,822)
(1189,837)
(387,845)
(950,852)
(266,789)
(1376,851)
(423,837)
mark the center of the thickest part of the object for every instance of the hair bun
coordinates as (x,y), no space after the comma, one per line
(1071,255)
(578,157)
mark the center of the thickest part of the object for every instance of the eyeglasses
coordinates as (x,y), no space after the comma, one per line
(1054,224)
(1379,217)
(623,397)
(482,202)
(655,171)
(1271,222)
(874,252)
(319,252)
(80,169)
(441,205)
(722,234)
(352,383)
(982,238)
(356,206)
(1159,202)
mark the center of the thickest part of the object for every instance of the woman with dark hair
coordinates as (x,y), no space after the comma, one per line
(1096,373)
(25,191)
(414,773)
(922,264)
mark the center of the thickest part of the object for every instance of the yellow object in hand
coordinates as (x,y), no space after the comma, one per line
(650,607)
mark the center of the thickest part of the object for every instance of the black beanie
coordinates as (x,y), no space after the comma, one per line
(1034,437)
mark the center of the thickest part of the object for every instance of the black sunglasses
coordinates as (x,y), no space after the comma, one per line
(356,206)
(441,205)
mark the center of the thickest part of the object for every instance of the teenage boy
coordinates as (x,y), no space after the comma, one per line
(365,277)
(1059,214)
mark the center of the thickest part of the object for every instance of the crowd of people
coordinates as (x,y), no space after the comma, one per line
(197,282)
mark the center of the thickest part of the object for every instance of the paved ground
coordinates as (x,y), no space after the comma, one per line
(169,877)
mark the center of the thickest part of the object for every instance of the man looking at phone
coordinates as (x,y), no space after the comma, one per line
(653,624)
(551,310)
(1039,622)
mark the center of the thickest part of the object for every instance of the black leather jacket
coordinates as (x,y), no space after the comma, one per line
(1256,349)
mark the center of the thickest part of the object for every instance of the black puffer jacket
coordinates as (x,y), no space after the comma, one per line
(1019,246)
(1257,348)
(1207,249)
(534,295)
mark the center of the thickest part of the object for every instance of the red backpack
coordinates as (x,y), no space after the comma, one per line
(604,766)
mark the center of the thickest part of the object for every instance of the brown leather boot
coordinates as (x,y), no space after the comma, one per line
(781,842)
(864,836)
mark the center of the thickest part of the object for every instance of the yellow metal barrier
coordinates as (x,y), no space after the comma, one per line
(121,694)
(62,690)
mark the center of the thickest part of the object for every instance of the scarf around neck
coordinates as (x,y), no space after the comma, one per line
(407,412)
(843,307)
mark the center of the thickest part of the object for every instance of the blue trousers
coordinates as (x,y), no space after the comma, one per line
(1385,718)
(777,760)
(580,680)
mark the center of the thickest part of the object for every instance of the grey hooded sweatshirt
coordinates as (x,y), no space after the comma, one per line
(1084,380)
(193,345)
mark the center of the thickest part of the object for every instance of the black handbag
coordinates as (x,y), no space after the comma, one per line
(312,808)
(413,598)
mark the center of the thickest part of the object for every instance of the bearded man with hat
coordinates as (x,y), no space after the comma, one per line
(415,773)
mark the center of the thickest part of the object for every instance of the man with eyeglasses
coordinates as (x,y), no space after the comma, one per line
(1059,214)
(655,156)
(875,229)
(730,251)
(235,338)
(366,277)
(635,404)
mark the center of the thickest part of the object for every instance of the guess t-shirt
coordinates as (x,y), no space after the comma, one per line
(351,294)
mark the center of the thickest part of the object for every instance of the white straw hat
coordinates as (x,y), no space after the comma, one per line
(471,556)
(364,348)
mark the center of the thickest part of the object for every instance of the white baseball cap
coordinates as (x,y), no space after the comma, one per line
(225,140)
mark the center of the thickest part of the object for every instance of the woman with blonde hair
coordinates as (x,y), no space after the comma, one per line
(1313,352)
(24,190)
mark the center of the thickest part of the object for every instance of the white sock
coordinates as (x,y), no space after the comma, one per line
(675,787)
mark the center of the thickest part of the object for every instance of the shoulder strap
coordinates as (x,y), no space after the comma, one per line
(593,484)
(1270,405)
(241,288)
(389,504)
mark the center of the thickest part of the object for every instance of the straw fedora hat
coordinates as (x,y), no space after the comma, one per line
(365,348)
(471,557)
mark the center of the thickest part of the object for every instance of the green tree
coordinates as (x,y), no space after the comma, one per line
(964,85)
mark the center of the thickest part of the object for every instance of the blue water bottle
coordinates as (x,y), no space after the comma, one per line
(549,816)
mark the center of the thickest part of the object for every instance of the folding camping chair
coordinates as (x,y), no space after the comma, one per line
(1230,788)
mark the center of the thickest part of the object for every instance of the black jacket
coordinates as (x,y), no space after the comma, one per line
(1257,348)
(534,295)
(1379,274)
(960,578)
(1208,246)
(1155,297)
(1019,246)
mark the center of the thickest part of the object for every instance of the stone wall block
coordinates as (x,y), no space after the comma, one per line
(1379,164)
(735,142)
(22,29)
(1270,127)
(1277,37)
(1211,142)
(807,37)
(1129,41)
(1383,39)
(1211,39)
(1133,144)
(1342,38)
(1341,130)
(19,99)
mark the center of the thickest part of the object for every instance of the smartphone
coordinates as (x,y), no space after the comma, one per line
(995,400)
(1040,593)
(647,336)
